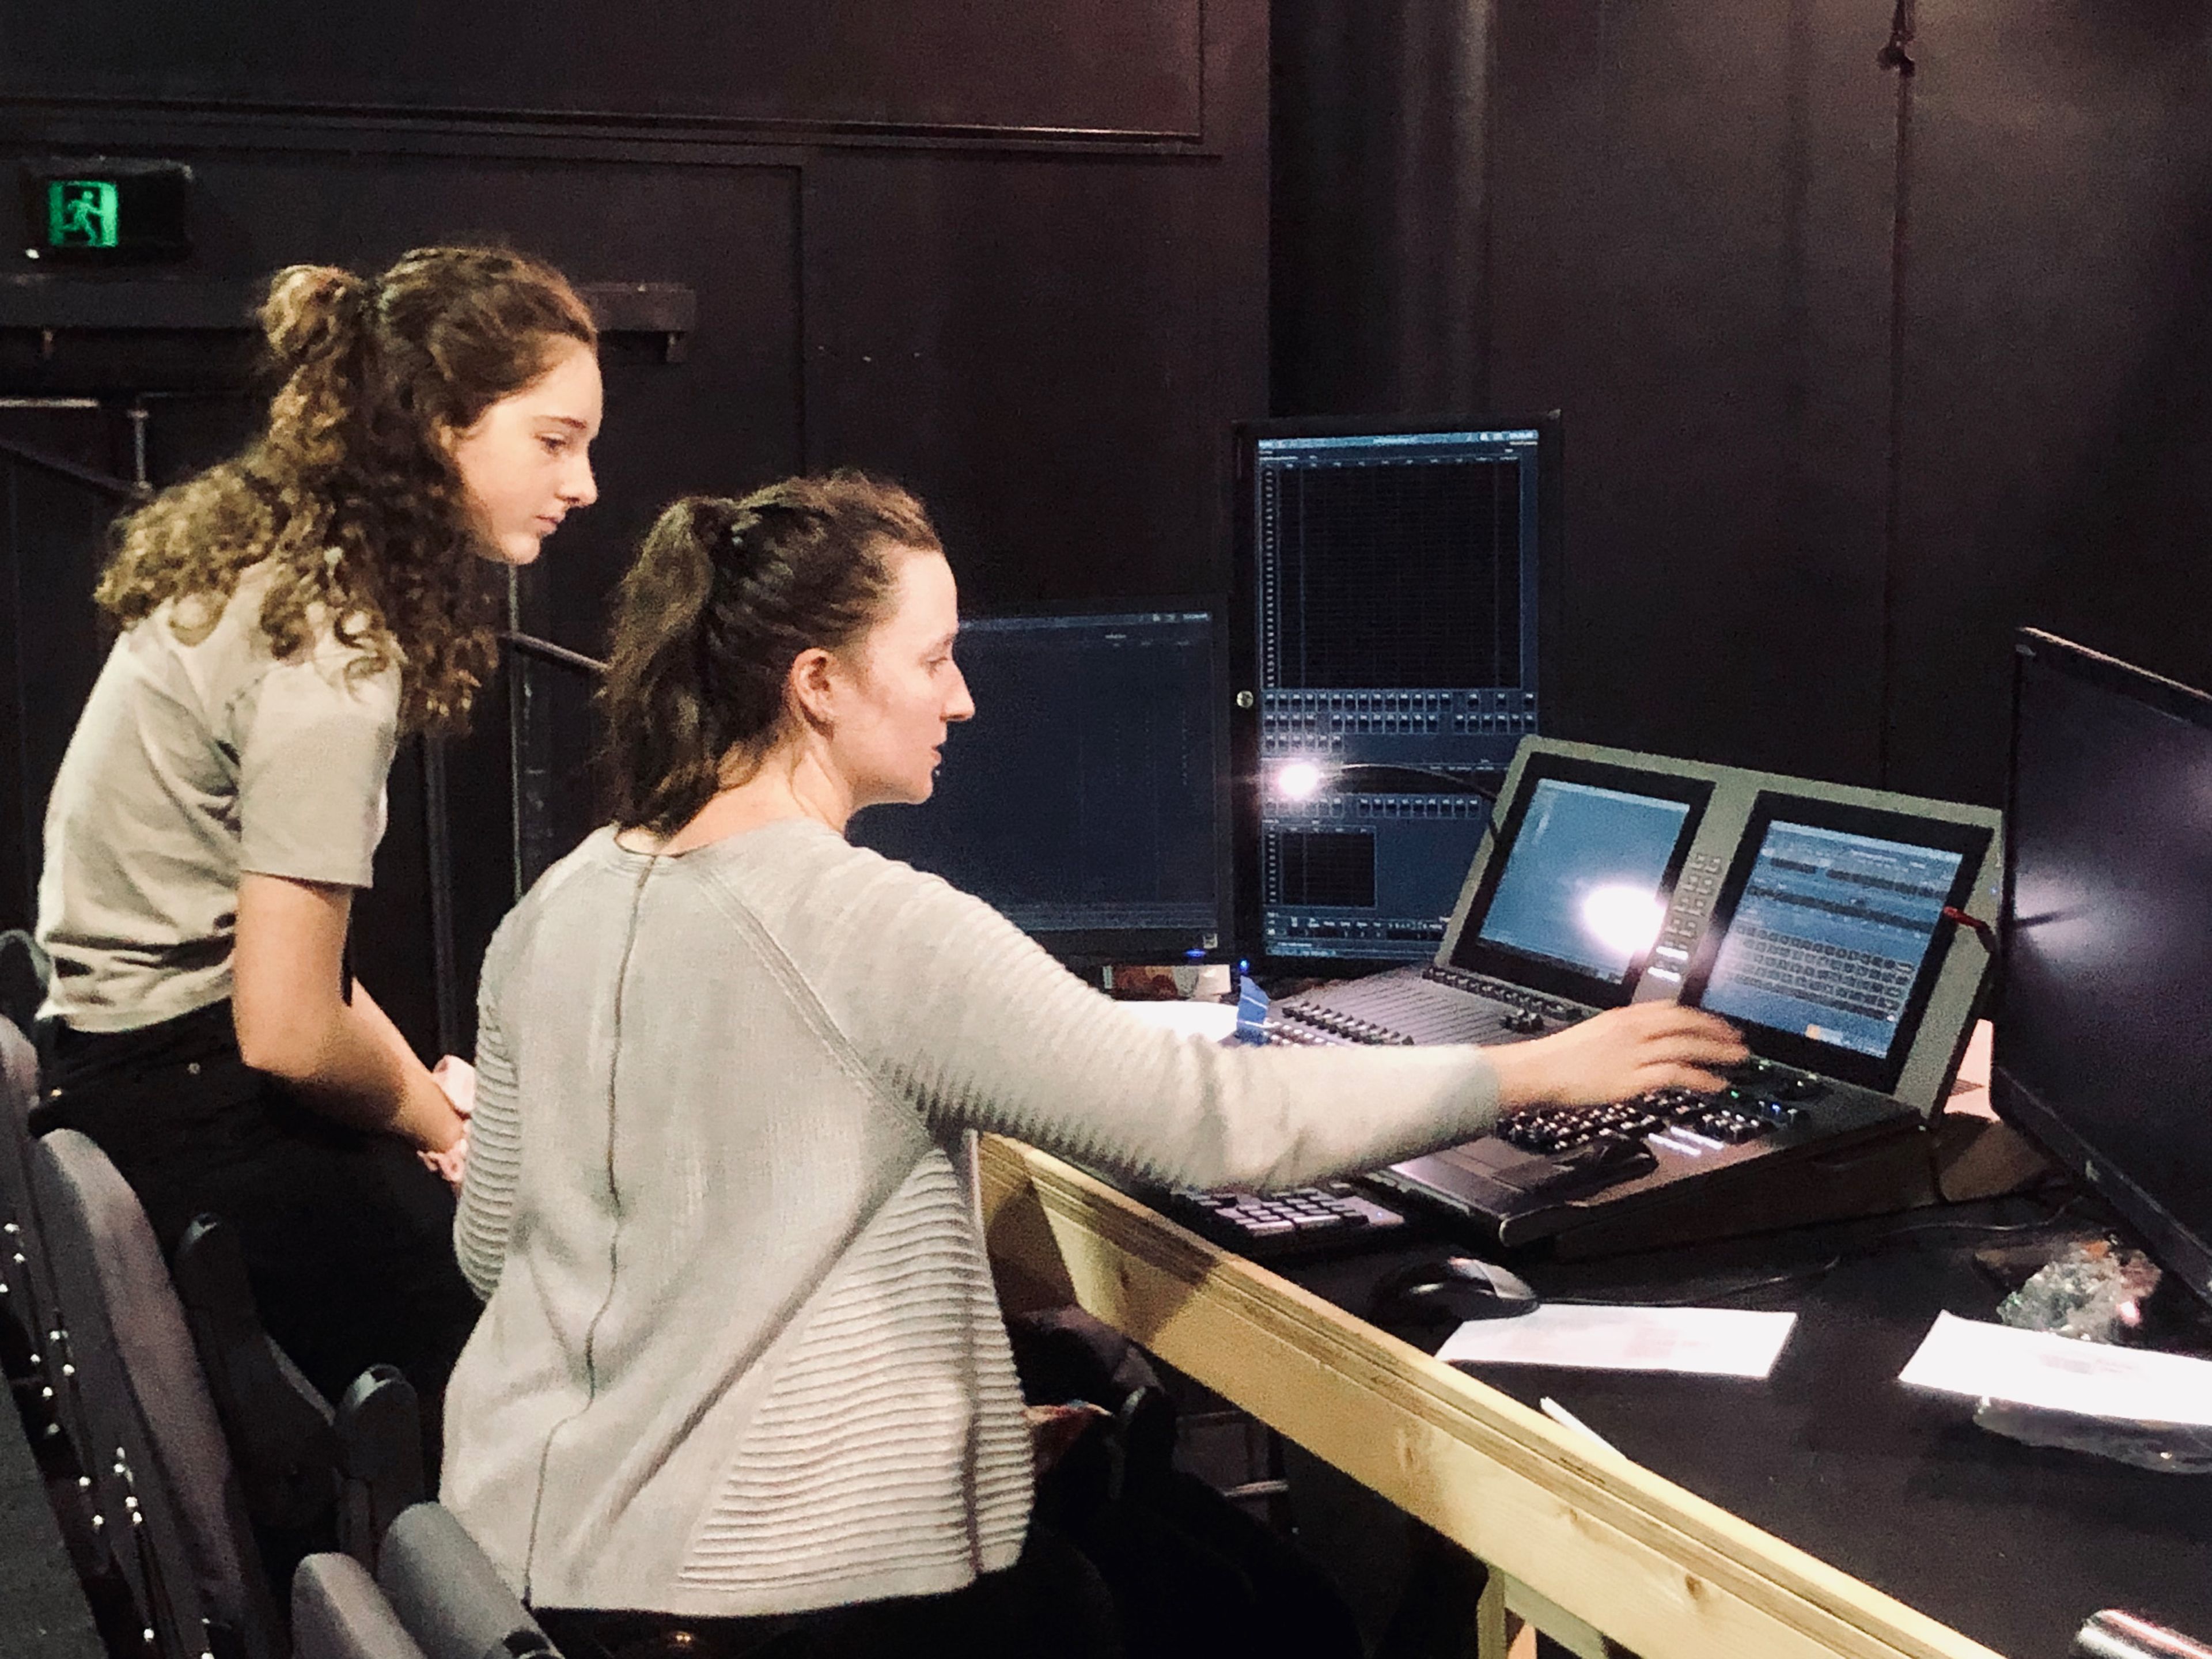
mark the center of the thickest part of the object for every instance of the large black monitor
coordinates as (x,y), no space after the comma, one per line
(1087,799)
(1395,582)
(2103,1045)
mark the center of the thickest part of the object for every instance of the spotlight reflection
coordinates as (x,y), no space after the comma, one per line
(1624,919)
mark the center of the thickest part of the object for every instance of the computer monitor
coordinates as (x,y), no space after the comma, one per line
(1087,799)
(1590,855)
(1831,929)
(2104,1043)
(1394,583)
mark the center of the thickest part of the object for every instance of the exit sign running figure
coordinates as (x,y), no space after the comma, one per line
(82,213)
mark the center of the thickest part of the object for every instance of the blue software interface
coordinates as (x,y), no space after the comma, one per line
(1829,936)
(1395,574)
(1082,797)
(1582,886)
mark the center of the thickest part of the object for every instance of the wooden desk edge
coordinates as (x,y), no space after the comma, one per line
(1656,1567)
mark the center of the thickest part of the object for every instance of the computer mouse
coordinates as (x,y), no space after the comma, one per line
(1450,1291)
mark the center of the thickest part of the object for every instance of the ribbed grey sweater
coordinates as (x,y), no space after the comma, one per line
(742,1352)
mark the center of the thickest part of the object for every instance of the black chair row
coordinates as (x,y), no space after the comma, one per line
(434,1596)
(190,1463)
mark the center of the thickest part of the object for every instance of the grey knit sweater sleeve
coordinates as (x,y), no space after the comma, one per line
(962,1014)
(486,1210)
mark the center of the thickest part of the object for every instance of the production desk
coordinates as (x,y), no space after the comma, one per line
(1823,1511)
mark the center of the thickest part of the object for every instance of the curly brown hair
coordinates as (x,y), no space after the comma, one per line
(349,491)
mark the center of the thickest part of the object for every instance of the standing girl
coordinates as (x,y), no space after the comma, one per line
(285,617)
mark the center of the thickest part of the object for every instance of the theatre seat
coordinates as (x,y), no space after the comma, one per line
(26,1304)
(164,1488)
(339,1613)
(34,1346)
(380,1468)
(448,1595)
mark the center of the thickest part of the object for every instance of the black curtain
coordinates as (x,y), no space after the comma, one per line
(1381,218)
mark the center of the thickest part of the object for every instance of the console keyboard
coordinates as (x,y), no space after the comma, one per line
(1761,1102)
(1278,1226)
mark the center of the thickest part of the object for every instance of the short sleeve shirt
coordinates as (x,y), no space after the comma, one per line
(192,765)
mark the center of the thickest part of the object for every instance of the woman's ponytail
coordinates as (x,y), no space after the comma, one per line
(666,743)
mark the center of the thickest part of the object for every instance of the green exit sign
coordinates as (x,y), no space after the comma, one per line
(83,213)
(106,210)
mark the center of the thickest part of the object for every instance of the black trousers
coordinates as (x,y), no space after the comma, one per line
(348,1237)
(1051,1604)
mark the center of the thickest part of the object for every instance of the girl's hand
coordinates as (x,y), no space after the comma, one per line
(453,1163)
(459,1079)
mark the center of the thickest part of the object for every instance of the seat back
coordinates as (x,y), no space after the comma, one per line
(193,1560)
(25,972)
(276,1422)
(34,1343)
(449,1595)
(339,1613)
(380,1469)
(26,1298)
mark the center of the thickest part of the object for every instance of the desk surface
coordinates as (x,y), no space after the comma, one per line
(1811,1509)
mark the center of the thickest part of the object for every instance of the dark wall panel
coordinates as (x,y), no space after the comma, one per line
(51,537)
(2058,454)
(1130,67)
(1688,220)
(1380,239)
(1062,408)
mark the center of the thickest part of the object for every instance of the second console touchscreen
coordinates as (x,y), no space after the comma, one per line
(1830,933)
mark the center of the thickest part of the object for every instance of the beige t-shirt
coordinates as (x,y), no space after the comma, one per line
(192,765)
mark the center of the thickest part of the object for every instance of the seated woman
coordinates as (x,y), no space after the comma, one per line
(286,614)
(743,1370)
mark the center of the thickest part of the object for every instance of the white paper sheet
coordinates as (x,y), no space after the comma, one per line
(1212,1020)
(2057,1373)
(1705,1341)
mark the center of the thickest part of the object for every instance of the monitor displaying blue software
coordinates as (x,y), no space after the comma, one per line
(1393,583)
(1830,934)
(1087,800)
(1585,883)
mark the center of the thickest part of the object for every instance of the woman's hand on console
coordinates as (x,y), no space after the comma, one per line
(1616,1055)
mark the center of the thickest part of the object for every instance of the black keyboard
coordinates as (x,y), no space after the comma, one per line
(1729,1118)
(1305,1221)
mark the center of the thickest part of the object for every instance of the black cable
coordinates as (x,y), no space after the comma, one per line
(545,651)
(1896,56)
